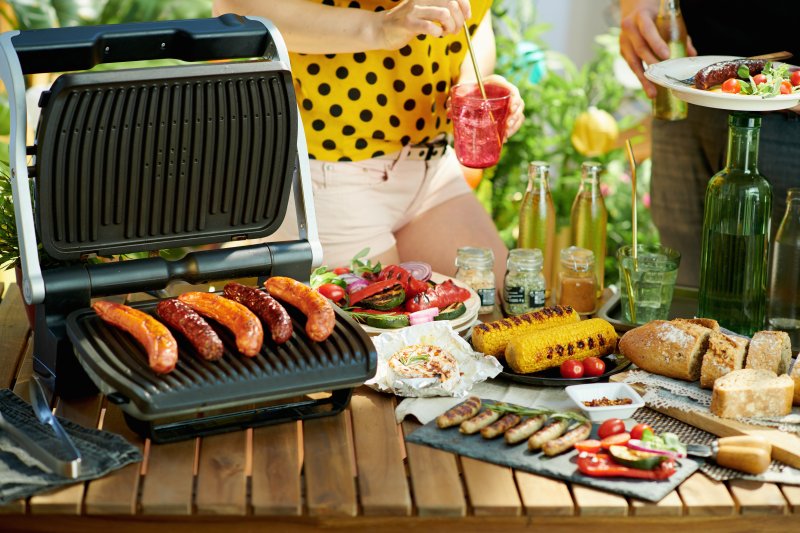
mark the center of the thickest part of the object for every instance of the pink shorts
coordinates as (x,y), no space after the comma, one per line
(361,204)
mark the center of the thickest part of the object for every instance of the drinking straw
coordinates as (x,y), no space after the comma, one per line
(634,239)
(480,81)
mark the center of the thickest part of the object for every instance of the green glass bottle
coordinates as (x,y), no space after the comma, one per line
(736,225)
(537,218)
(589,219)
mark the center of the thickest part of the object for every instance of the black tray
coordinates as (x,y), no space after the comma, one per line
(684,305)
(615,363)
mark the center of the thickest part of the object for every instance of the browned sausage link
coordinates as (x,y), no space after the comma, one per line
(459,413)
(188,323)
(498,428)
(476,423)
(525,429)
(566,442)
(265,306)
(551,431)
(234,316)
(716,73)
(317,308)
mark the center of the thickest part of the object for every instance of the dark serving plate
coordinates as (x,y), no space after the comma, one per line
(615,363)
(684,305)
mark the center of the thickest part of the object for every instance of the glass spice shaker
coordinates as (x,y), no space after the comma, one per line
(524,285)
(577,285)
(474,267)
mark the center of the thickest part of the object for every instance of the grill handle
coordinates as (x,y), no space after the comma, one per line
(82,47)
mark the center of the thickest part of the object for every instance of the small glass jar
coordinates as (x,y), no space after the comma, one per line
(524,285)
(577,285)
(474,267)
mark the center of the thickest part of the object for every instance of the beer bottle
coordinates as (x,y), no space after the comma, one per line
(672,29)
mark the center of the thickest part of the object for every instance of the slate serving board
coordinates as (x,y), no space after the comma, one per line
(560,467)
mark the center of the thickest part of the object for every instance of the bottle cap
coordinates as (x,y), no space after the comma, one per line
(472,257)
(525,259)
(577,259)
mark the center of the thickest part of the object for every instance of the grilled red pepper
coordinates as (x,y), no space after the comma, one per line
(370,290)
(410,284)
(440,296)
(601,465)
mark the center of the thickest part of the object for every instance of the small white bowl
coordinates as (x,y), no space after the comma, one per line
(612,391)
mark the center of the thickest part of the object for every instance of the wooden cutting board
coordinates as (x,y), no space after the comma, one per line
(785,446)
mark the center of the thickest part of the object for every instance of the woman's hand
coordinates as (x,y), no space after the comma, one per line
(516,107)
(421,17)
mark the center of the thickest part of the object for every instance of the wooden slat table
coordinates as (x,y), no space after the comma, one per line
(350,472)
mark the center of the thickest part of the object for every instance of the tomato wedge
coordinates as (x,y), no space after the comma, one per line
(589,446)
(620,439)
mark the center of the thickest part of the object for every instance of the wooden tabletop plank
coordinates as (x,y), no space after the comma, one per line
(792,495)
(491,488)
(435,481)
(221,478)
(116,493)
(758,498)
(276,484)
(168,478)
(382,482)
(703,496)
(69,500)
(542,496)
(593,502)
(329,466)
(14,330)
(670,505)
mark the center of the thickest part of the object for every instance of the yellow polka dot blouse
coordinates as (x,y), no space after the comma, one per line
(362,105)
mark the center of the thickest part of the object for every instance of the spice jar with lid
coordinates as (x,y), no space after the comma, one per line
(474,267)
(524,286)
(577,284)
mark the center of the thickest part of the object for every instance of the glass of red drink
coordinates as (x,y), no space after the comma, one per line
(479,125)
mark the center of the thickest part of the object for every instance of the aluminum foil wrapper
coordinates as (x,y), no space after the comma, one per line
(473,367)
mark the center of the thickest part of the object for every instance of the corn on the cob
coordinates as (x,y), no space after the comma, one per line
(551,347)
(491,338)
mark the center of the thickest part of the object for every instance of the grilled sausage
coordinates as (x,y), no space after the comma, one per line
(476,423)
(459,413)
(184,319)
(265,307)
(498,428)
(568,440)
(317,308)
(234,316)
(524,430)
(716,73)
(158,342)
(551,431)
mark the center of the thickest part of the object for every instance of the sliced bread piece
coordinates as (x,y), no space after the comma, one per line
(709,323)
(753,393)
(673,349)
(770,350)
(795,375)
(725,354)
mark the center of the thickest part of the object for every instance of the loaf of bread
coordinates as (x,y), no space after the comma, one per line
(752,393)
(725,354)
(770,350)
(674,349)
(795,375)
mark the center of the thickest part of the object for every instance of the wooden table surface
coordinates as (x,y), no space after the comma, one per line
(350,472)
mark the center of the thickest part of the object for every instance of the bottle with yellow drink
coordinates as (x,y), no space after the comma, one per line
(672,29)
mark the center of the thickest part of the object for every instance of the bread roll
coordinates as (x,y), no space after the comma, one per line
(673,349)
(795,375)
(770,350)
(725,354)
(752,393)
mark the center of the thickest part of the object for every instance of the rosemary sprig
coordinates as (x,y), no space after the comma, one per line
(505,408)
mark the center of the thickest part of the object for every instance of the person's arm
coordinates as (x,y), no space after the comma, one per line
(313,28)
(639,39)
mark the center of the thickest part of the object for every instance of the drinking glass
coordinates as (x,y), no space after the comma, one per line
(646,284)
(479,125)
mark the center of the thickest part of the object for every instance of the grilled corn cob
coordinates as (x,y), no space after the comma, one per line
(491,338)
(551,347)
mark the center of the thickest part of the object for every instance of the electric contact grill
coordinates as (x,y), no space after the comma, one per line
(138,160)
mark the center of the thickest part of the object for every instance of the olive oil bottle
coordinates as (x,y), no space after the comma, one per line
(672,29)
(589,218)
(537,218)
(736,229)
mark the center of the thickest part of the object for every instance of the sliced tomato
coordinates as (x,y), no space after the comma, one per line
(331,292)
(589,446)
(758,79)
(638,431)
(341,270)
(795,78)
(612,426)
(731,85)
(786,87)
(620,439)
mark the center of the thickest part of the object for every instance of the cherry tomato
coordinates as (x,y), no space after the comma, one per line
(589,446)
(795,78)
(612,426)
(638,431)
(341,270)
(571,369)
(731,85)
(593,366)
(786,87)
(620,439)
(758,79)
(331,291)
